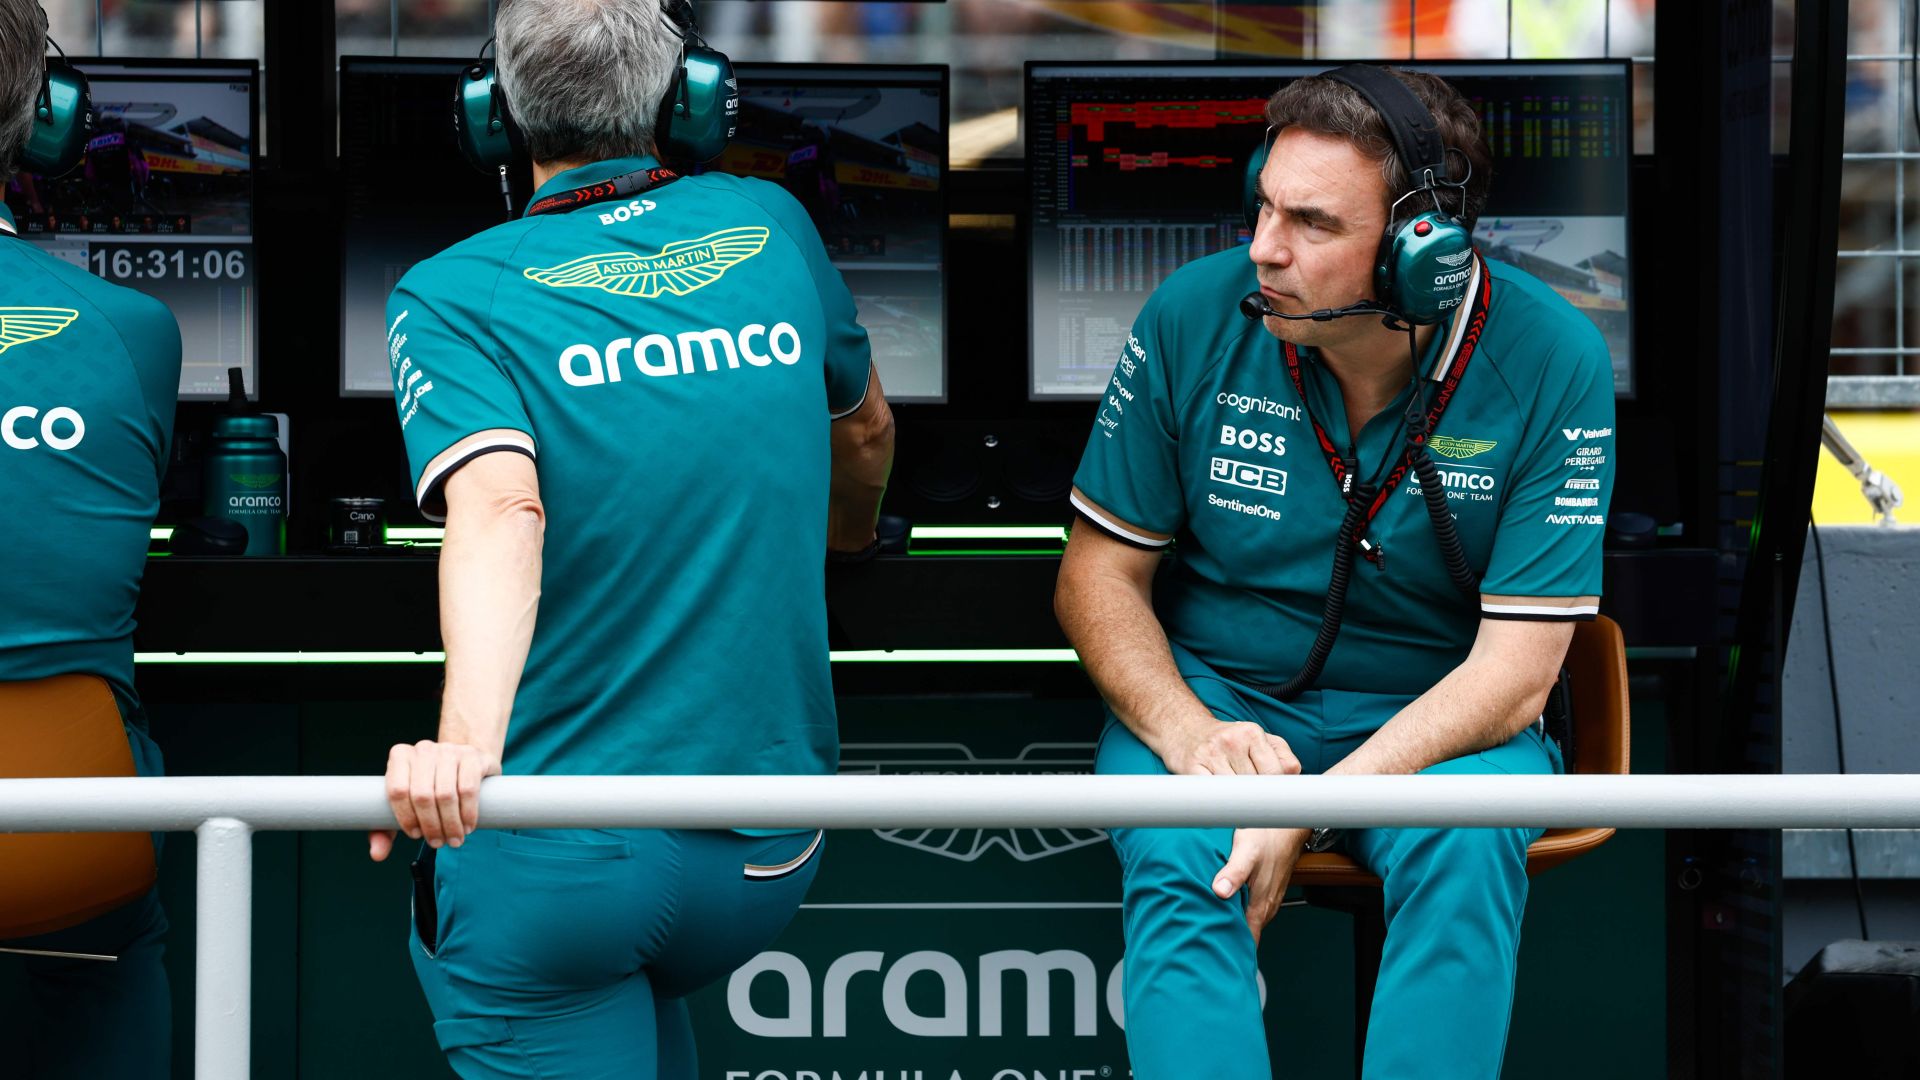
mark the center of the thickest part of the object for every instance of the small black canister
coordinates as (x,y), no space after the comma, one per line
(357,525)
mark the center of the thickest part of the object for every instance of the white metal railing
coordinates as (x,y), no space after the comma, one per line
(225,812)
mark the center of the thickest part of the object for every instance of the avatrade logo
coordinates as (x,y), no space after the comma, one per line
(659,356)
(678,268)
(1448,447)
(1455,260)
(20,325)
(1575,434)
(1257,477)
(1584,483)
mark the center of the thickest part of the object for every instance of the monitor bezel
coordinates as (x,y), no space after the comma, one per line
(162,67)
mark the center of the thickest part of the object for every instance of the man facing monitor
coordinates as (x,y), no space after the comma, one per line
(88,377)
(647,413)
(1302,436)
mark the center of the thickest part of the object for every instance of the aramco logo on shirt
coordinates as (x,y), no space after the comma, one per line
(683,354)
(26,427)
(678,268)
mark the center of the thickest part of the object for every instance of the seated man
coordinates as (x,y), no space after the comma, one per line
(645,431)
(88,377)
(1263,457)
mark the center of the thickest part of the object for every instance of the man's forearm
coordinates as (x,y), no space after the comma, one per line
(862,461)
(1125,651)
(1474,708)
(489,597)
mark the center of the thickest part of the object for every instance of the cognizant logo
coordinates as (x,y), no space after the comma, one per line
(58,428)
(660,356)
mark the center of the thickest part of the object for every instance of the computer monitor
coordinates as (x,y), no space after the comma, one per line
(162,202)
(1136,169)
(864,149)
(407,193)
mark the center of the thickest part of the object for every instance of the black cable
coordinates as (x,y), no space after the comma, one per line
(1839,736)
(1445,532)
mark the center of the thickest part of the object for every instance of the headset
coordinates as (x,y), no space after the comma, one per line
(62,117)
(696,119)
(1421,268)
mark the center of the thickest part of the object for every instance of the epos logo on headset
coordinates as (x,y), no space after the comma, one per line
(696,117)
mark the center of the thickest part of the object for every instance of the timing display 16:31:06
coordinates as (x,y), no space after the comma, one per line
(168,262)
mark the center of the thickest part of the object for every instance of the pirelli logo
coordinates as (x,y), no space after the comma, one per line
(1584,483)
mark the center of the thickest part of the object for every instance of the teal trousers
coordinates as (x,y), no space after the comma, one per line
(1453,901)
(549,953)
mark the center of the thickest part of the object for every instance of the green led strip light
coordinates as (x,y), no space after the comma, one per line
(159,534)
(893,656)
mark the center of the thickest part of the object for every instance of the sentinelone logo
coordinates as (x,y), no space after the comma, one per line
(679,268)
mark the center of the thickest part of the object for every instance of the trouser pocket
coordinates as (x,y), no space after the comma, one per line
(426,908)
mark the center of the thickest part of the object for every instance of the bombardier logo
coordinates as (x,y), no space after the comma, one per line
(20,325)
(679,268)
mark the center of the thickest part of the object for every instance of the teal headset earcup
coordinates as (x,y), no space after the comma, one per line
(62,123)
(1424,268)
(481,125)
(700,111)
(1250,186)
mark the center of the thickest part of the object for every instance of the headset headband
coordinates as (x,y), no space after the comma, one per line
(1416,137)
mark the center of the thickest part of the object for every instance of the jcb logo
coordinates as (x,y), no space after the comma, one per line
(1258,477)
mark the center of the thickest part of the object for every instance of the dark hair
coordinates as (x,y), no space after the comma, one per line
(23,50)
(1326,107)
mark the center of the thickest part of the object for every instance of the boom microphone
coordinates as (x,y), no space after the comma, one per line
(1254,307)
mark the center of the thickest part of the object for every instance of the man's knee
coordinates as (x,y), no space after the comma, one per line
(1163,855)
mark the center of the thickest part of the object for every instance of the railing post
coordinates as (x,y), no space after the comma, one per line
(223,962)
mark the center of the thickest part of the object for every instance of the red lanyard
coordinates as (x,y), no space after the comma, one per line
(1449,371)
(618,187)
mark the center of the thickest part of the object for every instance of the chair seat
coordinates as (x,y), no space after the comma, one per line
(1328,868)
(1597,675)
(67,725)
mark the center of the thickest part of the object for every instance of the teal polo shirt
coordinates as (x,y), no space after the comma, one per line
(88,377)
(1203,436)
(672,363)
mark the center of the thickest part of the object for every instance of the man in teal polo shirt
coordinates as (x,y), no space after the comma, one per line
(88,377)
(646,420)
(1207,440)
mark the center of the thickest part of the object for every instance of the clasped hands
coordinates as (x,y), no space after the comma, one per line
(1262,860)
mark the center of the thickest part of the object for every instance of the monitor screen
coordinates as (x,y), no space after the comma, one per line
(162,202)
(864,149)
(396,130)
(1136,169)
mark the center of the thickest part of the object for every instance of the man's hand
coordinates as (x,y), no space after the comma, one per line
(1216,748)
(1262,861)
(434,788)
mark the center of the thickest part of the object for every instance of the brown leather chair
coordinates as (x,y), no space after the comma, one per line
(67,725)
(1596,667)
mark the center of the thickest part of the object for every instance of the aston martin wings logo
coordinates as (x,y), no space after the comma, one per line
(1456,260)
(19,325)
(678,268)
(1449,447)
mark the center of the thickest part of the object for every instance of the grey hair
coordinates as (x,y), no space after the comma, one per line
(585,78)
(23,51)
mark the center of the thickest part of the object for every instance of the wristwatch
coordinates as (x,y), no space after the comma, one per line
(1322,839)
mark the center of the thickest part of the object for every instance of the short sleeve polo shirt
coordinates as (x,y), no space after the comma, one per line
(1202,436)
(672,364)
(89,373)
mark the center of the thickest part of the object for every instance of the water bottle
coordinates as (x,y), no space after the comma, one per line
(246,473)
